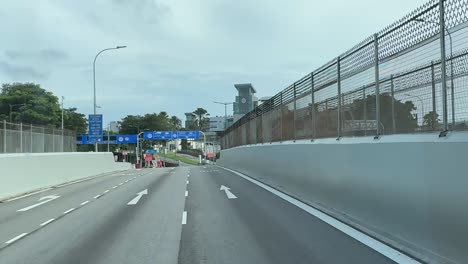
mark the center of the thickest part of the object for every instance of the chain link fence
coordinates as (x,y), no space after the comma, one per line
(391,83)
(26,138)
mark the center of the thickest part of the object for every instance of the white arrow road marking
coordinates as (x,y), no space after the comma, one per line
(229,194)
(46,200)
(138,197)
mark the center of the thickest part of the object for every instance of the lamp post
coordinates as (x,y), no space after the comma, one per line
(94,80)
(11,110)
(225,112)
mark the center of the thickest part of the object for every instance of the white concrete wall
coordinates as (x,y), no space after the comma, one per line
(20,173)
(409,190)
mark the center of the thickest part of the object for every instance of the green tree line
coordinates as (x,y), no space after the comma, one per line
(30,103)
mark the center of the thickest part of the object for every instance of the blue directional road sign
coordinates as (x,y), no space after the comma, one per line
(188,134)
(171,135)
(126,139)
(95,128)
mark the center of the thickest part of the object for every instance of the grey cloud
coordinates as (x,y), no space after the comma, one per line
(40,55)
(21,72)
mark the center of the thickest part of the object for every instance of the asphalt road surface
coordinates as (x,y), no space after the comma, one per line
(188,214)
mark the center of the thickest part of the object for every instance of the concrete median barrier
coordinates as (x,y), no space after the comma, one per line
(409,191)
(21,173)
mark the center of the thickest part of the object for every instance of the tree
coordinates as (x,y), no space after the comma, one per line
(404,119)
(176,123)
(202,120)
(431,119)
(75,121)
(33,104)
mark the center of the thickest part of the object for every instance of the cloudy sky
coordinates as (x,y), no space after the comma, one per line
(182,54)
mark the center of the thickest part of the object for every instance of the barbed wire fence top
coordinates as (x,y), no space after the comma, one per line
(410,77)
(28,138)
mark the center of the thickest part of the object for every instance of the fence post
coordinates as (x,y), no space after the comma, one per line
(31,138)
(392,89)
(313,104)
(294,113)
(365,110)
(443,63)
(338,67)
(434,112)
(53,139)
(377,84)
(43,139)
(4,137)
(281,117)
(21,137)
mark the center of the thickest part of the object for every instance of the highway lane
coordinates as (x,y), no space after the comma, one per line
(247,224)
(104,230)
(189,214)
(68,196)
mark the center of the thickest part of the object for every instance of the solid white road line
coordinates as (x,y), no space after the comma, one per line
(376,245)
(113,187)
(186,193)
(106,191)
(47,222)
(184,217)
(69,210)
(83,203)
(97,196)
(16,238)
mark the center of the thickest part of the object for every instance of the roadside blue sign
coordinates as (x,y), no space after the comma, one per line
(188,134)
(95,128)
(126,139)
(171,135)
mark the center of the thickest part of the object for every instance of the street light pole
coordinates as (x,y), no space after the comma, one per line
(225,112)
(94,81)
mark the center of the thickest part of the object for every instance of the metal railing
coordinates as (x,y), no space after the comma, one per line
(392,82)
(27,138)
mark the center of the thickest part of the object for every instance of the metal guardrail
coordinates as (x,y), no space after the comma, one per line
(27,138)
(393,82)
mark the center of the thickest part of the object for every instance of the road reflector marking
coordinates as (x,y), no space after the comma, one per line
(113,187)
(47,222)
(16,238)
(69,210)
(97,196)
(187,182)
(186,193)
(83,203)
(184,217)
(106,191)
(121,183)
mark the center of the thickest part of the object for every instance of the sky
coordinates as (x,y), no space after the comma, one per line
(181,54)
